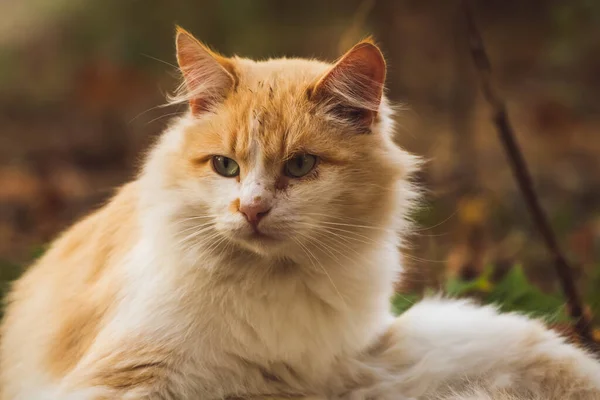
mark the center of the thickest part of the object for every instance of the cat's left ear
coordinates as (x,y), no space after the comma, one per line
(353,87)
(208,77)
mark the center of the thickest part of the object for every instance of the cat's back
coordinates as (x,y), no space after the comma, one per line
(55,310)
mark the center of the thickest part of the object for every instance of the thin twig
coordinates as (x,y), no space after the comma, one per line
(523,178)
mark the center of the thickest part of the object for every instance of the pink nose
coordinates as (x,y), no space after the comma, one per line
(254,212)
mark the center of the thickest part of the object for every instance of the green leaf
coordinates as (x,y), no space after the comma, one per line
(516,293)
(402,302)
(592,292)
(481,284)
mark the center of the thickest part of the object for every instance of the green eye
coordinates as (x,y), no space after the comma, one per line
(225,166)
(300,165)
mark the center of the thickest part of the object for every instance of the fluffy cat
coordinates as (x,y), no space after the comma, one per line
(254,257)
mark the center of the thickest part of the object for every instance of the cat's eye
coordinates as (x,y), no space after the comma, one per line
(300,165)
(225,166)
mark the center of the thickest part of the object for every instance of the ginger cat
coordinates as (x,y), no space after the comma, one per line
(254,257)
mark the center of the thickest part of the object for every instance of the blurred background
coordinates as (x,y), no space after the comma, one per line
(82,81)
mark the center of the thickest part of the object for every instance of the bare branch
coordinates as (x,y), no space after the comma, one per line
(523,178)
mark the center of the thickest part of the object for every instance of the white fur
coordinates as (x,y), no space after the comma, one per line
(443,343)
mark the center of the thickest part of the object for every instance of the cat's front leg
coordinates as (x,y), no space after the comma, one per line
(440,347)
(106,392)
(129,371)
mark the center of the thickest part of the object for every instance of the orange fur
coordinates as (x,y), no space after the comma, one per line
(79,281)
(235,206)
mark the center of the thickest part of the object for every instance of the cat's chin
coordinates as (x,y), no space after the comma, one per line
(265,244)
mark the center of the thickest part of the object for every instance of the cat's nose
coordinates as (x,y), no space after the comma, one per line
(255,211)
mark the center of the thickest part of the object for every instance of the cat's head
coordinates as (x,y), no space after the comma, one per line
(280,157)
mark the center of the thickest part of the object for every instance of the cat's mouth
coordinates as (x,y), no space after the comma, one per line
(258,235)
(264,237)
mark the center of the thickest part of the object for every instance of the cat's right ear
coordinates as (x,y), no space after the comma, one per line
(207,76)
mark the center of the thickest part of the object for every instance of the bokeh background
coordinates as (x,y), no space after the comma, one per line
(82,83)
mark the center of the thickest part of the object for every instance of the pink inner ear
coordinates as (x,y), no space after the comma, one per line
(356,83)
(365,59)
(206,81)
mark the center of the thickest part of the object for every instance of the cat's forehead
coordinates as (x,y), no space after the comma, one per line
(270,110)
(283,73)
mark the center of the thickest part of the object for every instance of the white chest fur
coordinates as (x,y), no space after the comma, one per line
(266,315)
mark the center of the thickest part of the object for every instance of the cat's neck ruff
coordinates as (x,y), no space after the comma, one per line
(346,304)
(374,260)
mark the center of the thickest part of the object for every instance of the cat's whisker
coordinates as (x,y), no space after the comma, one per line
(215,245)
(144,112)
(310,240)
(376,228)
(340,240)
(344,219)
(307,251)
(332,231)
(165,116)
(194,234)
(205,240)
(416,258)
(194,228)
(205,251)
(333,216)
(429,234)
(196,218)
(349,232)
(299,243)
(159,60)
(229,248)
(195,223)
(438,224)
(324,246)
(195,246)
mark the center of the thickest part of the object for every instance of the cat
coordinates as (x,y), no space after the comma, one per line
(254,257)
